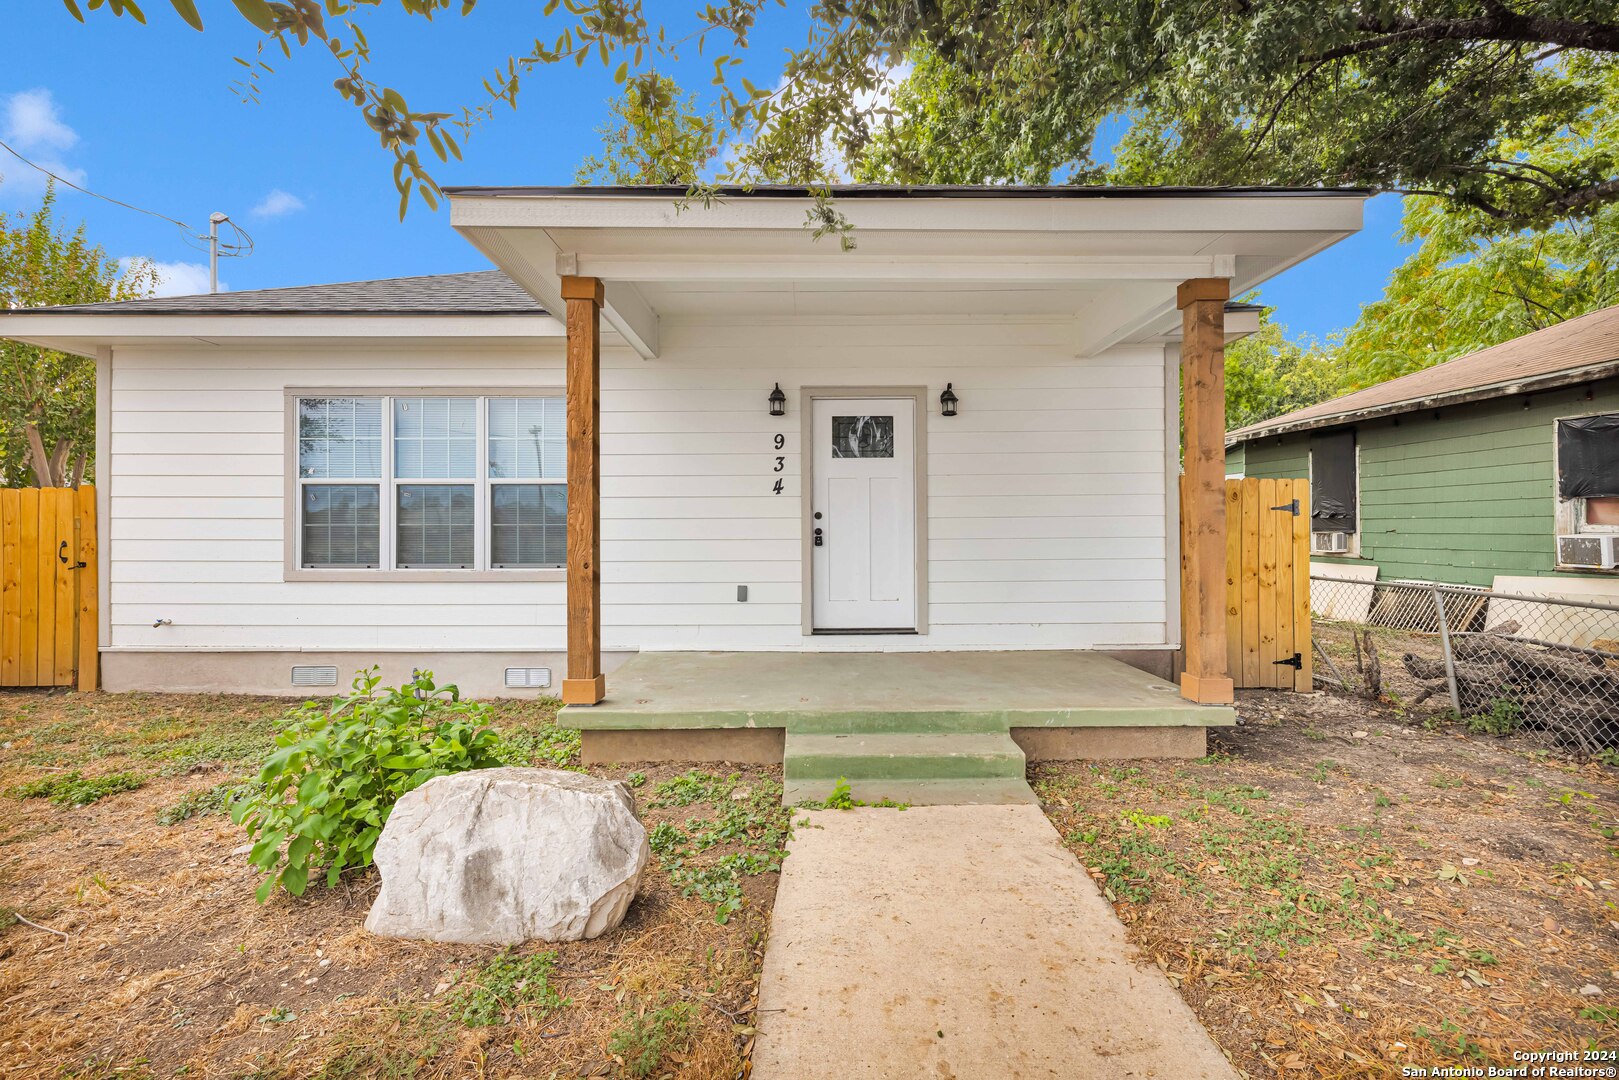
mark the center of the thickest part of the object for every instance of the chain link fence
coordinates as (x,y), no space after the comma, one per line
(1500,662)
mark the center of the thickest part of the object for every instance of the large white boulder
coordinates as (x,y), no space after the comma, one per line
(504,856)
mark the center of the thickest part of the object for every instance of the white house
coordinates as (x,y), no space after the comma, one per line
(440,472)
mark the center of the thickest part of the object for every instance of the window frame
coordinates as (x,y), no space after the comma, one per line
(1569,519)
(1354,537)
(388,486)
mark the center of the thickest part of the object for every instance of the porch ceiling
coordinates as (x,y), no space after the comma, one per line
(1110,265)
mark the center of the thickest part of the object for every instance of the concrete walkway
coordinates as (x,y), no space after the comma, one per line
(957,943)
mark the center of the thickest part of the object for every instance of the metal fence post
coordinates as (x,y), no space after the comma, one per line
(1444,641)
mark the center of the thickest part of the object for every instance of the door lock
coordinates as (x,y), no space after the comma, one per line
(819,539)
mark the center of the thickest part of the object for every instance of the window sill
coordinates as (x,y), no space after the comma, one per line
(1596,571)
(458,576)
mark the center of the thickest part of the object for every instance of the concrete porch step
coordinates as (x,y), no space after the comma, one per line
(1000,791)
(932,769)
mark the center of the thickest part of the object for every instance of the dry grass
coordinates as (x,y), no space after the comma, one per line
(1337,894)
(170,967)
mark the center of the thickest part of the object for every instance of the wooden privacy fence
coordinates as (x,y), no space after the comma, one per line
(1268,583)
(48,591)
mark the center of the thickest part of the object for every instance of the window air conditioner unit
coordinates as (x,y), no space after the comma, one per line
(1329,543)
(1592,550)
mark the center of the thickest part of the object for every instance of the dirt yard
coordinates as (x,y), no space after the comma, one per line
(1338,892)
(144,953)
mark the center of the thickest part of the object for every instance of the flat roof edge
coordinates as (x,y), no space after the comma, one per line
(920,191)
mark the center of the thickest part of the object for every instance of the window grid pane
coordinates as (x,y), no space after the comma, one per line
(527,438)
(528,525)
(436,438)
(434,526)
(341,525)
(340,438)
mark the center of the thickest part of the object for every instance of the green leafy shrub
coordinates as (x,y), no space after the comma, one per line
(338,769)
(76,789)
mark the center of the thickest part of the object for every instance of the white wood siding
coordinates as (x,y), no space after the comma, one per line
(1047,493)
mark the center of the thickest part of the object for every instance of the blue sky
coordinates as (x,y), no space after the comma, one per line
(146,115)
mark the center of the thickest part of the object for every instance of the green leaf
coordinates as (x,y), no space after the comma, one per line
(258,13)
(295,879)
(73,9)
(188,12)
(622,73)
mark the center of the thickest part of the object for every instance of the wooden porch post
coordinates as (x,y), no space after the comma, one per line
(585,684)
(1203,526)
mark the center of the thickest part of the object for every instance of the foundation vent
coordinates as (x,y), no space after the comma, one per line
(528,677)
(314,675)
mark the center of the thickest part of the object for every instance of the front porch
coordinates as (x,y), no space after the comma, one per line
(917,727)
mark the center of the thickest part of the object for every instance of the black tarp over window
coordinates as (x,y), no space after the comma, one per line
(1588,457)
(1332,482)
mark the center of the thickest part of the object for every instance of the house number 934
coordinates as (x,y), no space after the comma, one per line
(779,442)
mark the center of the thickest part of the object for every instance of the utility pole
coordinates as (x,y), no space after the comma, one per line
(213,250)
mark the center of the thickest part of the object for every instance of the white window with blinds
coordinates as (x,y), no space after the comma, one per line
(453,482)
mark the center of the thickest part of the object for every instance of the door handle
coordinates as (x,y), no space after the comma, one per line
(819,540)
(61,555)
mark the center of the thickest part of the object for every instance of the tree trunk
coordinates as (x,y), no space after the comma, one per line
(37,458)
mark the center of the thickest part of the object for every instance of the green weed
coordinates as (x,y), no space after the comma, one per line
(214,800)
(75,789)
(642,1039)
(506,985)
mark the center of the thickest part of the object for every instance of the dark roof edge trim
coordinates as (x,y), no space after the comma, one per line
(1553,380)
(921,191)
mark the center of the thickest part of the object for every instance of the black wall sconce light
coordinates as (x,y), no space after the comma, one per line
(778,402)
(947,400)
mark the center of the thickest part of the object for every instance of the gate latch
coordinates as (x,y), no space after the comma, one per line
(1291,508)
(1296,662)
(61,555)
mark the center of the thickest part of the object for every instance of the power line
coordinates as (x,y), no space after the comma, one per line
(242,248)
(76,187)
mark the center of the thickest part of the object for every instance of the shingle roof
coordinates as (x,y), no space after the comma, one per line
(1569,352)
(483,292)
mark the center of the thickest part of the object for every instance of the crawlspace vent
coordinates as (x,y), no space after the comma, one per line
(528,676)
(314,675)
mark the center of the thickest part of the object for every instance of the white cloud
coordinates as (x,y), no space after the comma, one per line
(277,204)
(31,124)
(177,278)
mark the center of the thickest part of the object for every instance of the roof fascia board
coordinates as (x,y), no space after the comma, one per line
(1236,213)
(1552,381)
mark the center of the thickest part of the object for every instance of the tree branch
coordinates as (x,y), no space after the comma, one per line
(1503,26)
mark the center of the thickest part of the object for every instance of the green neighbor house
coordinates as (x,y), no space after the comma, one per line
(1490,469)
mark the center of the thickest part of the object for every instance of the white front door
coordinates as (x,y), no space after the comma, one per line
(863,515)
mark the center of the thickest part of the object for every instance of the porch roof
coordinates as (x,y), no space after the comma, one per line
(1106,259)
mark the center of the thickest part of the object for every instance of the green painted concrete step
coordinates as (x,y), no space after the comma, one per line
(999,791)
(908,756)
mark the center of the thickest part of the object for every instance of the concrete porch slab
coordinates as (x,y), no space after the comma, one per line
(961,942)
(830,692)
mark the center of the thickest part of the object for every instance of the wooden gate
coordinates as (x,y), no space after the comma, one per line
(1268,583)
(48,601)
